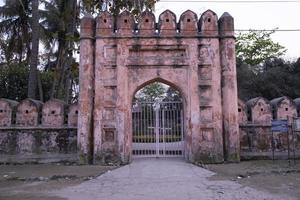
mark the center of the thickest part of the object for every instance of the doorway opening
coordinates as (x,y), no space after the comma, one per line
(157,122)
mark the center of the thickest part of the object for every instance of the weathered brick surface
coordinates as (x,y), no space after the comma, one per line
(229,88)
(54,113)
(243,112)
(284,108)
(256,135)
(185,55)
(37,144)
(260,110)
(73,115)
(29,112)
(86,85)
(7,112)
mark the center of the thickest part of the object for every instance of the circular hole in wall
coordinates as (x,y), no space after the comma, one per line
(261,109)
(76,112)
(188,20)
(147,20)
(53,112)
(125,21)
(26,111)
(208,19)
(286,109)
(167,20)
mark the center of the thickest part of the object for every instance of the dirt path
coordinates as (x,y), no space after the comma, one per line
(152,179)
(163,179)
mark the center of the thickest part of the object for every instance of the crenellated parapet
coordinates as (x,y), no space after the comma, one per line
(168,25)
(30,113)
(284,108)
(260,111)
(256,136)
(7,112)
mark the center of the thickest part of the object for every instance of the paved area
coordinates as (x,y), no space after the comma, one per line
(162,179)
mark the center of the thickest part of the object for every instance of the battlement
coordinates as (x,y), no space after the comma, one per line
(189,25)
(32,113)
(55,113)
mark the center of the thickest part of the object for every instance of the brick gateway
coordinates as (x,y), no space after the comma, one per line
(195,56)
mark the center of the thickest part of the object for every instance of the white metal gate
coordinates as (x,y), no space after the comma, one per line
(157,129)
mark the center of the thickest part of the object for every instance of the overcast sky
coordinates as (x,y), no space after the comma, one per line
(282,15)
(251,16)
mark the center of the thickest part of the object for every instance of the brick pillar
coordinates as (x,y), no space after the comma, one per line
(229,89)
(86,90)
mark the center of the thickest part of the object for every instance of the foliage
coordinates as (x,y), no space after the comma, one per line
(58,33)
(133,6)
(260,71)
(60,22)
(14,79)
(15,30)
(151,92)
(278,78)
(255,47)
(157,92)
(172,95)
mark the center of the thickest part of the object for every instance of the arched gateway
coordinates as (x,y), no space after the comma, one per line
(157,122)
(196,57)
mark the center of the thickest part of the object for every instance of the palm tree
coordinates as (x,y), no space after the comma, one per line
(15,29)
(116,6)
(32,80)
(61,21)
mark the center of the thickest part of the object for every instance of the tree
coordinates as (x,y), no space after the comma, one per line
(61,21)
(13,81)
(133,6)
(32,80)
(15,30)
(157,91)
(278,78)
(23,26)
(255,47)
(152,92)
(258,64)
(172,95)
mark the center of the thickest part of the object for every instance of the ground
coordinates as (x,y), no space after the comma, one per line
(152,178)
(32,181)
(277,177)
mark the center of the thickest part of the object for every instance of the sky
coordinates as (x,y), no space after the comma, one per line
(262,15)
(258,15)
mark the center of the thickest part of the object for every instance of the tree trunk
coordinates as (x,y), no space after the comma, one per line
(61,85)
(32,80)
(40,86)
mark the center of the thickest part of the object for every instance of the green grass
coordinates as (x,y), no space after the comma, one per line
(152,138)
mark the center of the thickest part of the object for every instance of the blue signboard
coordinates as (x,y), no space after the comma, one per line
(280,125)
(298,124)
